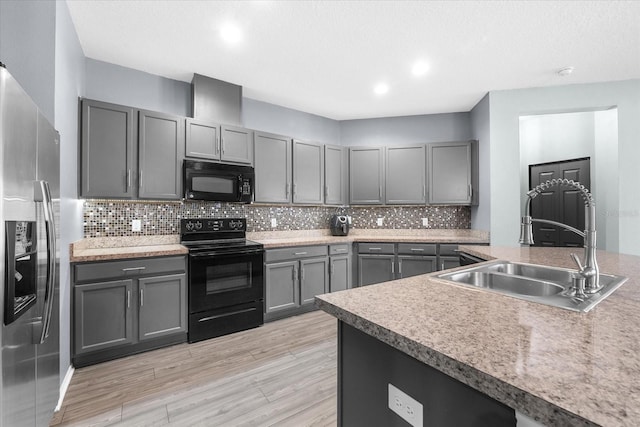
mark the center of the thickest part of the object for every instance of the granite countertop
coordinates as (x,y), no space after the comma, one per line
(557,366)
(110,248)
(275,239)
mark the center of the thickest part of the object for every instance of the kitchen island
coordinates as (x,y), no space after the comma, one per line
(557,366)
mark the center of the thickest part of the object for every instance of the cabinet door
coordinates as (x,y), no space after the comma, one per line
(314,278)
(108,150)
(102,315)
(414,265)
(161,150)
(281,283)
(447,262)
(375,269)
(202,140)
(339,273)
(273,168)
(236,145)
(335,175)
(450,173)
(405,181)
(366,174)
(162,302)
(308,172)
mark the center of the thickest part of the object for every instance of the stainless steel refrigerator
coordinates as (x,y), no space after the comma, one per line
(29,259)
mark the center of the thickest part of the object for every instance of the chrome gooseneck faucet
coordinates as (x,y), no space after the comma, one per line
(589,270)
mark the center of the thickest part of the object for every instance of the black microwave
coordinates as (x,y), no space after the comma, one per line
(218,182)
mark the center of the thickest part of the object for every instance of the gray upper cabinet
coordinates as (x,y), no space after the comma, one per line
(206,140)
(236,145)
(450,173)
(405,181)
(272,168)
(366,175)
(202,140)
(128,153)
(336,174)
(308,172)
(161,150)
(107,150)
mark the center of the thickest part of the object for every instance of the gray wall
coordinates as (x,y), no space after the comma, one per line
(505,109)
(69,85)
(27,48)
(481,214)
(406,129)
(120,85)
(285,121)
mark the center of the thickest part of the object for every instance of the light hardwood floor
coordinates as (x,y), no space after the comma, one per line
(280,374)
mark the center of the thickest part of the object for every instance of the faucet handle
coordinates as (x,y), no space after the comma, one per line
(577,261)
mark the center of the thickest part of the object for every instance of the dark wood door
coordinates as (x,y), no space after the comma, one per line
(563,203)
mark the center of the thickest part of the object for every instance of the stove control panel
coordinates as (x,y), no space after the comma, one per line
(208,225)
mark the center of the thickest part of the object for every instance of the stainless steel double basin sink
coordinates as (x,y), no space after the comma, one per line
(537,283)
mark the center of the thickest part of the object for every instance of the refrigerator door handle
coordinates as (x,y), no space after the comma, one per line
(47,207)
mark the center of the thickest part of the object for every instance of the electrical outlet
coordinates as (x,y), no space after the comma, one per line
(274,222)
(404,405)
(425,222)
(379,222)
(136,225)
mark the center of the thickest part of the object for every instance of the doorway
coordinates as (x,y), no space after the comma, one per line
(562,203)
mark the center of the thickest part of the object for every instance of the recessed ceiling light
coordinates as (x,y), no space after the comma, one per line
(230,33)
(381,88)
(420,68)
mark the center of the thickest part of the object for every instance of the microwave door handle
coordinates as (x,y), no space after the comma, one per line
(47,207)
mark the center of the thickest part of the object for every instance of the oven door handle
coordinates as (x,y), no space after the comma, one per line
(226,253)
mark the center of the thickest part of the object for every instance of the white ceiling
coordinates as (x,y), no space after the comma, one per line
(324,57)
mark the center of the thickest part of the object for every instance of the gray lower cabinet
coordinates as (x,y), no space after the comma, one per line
(272,168)
(124,307)
(336,175)
(381,262)
(405,181)
(450,173)
(366,175)
(293,277)
(340,271)
(308,172)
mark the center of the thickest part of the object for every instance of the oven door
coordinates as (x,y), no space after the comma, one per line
(223,279)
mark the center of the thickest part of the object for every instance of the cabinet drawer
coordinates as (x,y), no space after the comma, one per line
(449,249)
(340,249)
(417,248)
(294,252)
(376,248)
(130,268)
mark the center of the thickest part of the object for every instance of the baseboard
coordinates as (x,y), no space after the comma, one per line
(64,386)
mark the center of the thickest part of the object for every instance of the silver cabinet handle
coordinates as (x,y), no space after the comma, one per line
(128,299)
(340,250)
(393,267)
(286,189)
(375,249)
(326,192)
(470,191)
(424,190)
(133,269)
(222,144)
(417,250)
(302,274)
(217,143)
(442,266)
(128,178)
(331,269)
(299,253)
(400,268)
(380,192)
(140,179)
(141,297)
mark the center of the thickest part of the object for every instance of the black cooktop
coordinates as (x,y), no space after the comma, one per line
(216,234)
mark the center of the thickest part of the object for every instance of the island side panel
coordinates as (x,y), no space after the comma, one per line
(365,368)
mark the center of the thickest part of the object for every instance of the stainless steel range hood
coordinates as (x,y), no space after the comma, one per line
(216,100)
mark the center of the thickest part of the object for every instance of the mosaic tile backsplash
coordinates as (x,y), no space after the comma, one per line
(112,218)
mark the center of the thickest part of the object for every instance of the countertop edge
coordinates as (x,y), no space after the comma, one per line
(495,388)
